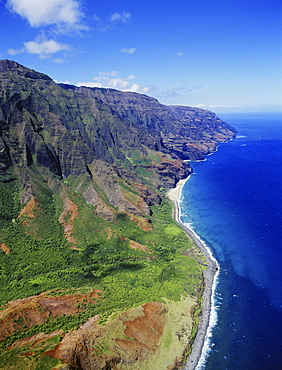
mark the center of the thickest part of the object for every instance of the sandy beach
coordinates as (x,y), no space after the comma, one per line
(209,276)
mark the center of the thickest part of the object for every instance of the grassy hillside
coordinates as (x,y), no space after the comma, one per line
(128,262)
(94,271)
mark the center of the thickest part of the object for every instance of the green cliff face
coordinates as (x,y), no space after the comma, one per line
(83,216)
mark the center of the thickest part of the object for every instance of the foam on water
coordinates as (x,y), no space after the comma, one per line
(214,302)
(234,203)
(207,347)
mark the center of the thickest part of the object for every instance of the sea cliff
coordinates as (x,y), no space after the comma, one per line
(95,273)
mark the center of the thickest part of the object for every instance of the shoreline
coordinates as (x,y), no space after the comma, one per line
(210,276)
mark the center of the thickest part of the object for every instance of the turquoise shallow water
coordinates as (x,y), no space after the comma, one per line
(234,203)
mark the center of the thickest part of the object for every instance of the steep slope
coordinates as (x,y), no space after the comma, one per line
(83,178)
(188,132)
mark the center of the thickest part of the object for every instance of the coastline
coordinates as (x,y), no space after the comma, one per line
(210,276)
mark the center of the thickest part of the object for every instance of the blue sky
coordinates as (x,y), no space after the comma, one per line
(219,55)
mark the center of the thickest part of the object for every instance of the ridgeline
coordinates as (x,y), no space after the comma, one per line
(94,271)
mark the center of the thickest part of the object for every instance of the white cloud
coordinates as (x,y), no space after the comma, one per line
(46,12)
(118,83)
(110,80)
(215,106)
(141,90)
(58,60)
(128,51)
(120,17)
(15,52)
(195,88)
(172,91)
(112,22)
(44,48)
(105,76)
(89,84)
(227,106)
(113,81)
(180,54)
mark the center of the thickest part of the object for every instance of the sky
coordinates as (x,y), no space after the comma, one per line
(225,56)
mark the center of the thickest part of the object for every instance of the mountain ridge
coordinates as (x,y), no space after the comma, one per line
(83,180)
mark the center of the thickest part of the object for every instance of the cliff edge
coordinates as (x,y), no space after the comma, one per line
(95,273)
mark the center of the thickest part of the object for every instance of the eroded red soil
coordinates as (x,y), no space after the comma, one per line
(5,248)
(28,209)
(35,310)
(146,331)
(67,218)
(94,346)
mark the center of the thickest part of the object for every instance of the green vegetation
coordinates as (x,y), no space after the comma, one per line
(9,206)
(30,356)
(63,150)
(127,277)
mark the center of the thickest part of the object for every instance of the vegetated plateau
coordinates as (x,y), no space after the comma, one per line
(95,273)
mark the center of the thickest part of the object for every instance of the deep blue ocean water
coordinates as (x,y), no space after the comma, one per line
(234,203)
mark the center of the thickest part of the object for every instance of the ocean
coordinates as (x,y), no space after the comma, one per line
(233,201)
